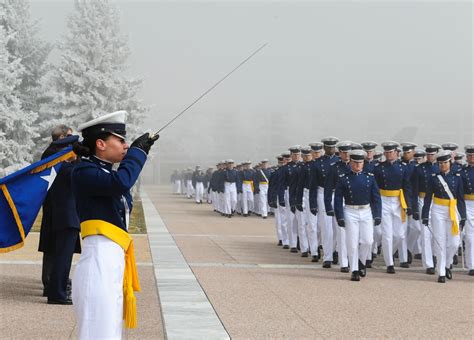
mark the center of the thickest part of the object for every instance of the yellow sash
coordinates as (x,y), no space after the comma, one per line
(399,194)
(452,212)
(469,197)
(130,276)
(263,182)
(251,184)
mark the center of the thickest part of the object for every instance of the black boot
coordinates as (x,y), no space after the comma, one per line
(293,250)
(344,269)
(441,279)
(404,265)
(368,264)
(362,271)
(430,271)
(335,257)
(304,254)
(286,246)
(390,270)
(449,274)
(327,264)
(315,258)
(355,276)
(280,243)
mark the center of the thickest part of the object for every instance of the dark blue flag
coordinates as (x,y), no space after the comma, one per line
(21,196)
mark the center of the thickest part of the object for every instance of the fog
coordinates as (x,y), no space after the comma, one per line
(358,70)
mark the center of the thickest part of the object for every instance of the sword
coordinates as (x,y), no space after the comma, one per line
(156,134)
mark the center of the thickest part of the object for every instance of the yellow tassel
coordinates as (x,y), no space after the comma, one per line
(130,309)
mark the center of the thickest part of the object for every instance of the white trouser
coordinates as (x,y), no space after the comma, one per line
(221,200)
(230,194)
(301,220)
(341,244)
(238,206)
(283,224)
(413,236)
(263,197)
(199,191)
(292,223)
(97,289)
(278,226)
(183,187)
(446,244)
(359,235)
(426,239)
(326,227)
(256,204)
(177,186)
(189,188)
(377,239)
(311,224)
(247,198)
(468,234)
(393,229)
(214,200)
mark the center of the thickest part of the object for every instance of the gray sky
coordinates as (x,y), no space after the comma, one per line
(358,70)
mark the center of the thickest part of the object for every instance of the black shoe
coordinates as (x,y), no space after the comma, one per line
(293,250)
(315,258)
(417,257)
(368,264)
(344,269)
(410,258)
(279,243)
(335,257)
(374,256)
(441,279)
(304,254)
(449,274)
(327,264)
(430,271)
(355,276)
(362,271)
(229,215)
(471,272)
(286,246)
(460,250)
(264,217)
(59,302)
(390,270)
(404,265)
(455,260)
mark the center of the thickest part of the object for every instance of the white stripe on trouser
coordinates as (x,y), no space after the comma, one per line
(446,244)
(263,197)
(177,186)
(247,198)
(359,235)
(311,224)
(326,227)
(284,225)
(468,234)
(97,289)
(199,191)
(230,194)
(291,222)
(189,188)
(426,240)
(393,229)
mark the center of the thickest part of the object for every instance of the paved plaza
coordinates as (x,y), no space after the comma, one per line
(208,277)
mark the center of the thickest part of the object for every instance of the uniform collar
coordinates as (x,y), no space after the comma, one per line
(357,173)
(102,163)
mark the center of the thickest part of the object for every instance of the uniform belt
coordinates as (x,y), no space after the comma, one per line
(399,194)
(364,206)
(251,184)
(452,212)
(469,197)
(422,194)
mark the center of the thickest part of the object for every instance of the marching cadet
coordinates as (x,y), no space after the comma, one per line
(273,202)
(220,187)
(446,192)
(247,176)
(106,277)
(319,172)
(422,175)
(316,153)
(407,246)
(262,177)
(302,204)
(182,176)
(293,216)
(316,150)
(467,175)
(283,204)
(230,189)
(459,158)
(207,184)
(395,189)
(213,188)
(189,183)
(369,162)
(336,171)
(198,179)
(419,156)
(358,208)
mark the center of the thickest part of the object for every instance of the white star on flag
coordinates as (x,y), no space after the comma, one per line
(50,178)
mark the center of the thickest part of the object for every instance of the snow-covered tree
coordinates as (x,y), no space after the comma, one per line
(16,125)
(90,79)
(23,43)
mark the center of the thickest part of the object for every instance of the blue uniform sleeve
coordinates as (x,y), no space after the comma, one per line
(97,182)
(338,200)
(407,187)
(282,187)
(329,187)
(425,212)
(460,197)
(375,200)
